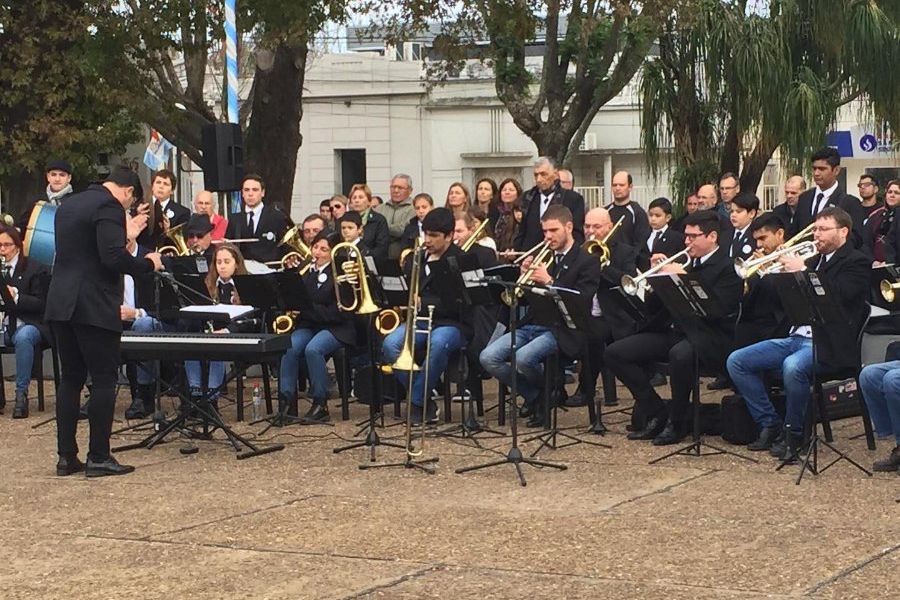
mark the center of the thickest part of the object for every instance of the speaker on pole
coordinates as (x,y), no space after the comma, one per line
(223,157)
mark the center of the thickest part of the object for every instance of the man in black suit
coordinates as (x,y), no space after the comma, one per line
(165,213)
(826,165)
(547,192)
(84,312)
(844,273)
(793,187)
(59,187)
(635,227)
(266,223)
(540,333)
(629,357)
(744,208)
(26,284)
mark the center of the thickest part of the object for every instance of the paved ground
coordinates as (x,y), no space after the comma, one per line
(307,523)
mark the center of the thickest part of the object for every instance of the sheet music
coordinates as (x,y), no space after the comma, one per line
(394,284)
(233,311)
(472,278)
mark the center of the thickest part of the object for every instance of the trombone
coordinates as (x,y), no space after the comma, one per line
(601,247)
(637,285)
(768,264)
(542,259)
(353,273)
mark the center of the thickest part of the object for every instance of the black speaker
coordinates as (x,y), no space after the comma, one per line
(223,157)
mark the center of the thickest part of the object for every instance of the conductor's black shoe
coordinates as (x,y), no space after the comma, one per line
(105,468)
(136,410)
(68,464)
(653,428)
(767,437)
(719,383)
(317,413)
(670,435)
(20,410)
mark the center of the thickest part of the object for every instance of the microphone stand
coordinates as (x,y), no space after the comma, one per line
(514,455)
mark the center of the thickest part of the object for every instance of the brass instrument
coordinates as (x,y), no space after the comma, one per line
(178,247)
(300,251)
(284,323)
(522,255)
(542,259)
(888,290)
(601,247)
(747,268)
(476,235)
(387,321)
(352,272)
(768,264)
(404,254)
(637,285)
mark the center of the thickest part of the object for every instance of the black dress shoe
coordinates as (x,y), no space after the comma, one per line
(891,463)
(575,400)
(525,411)
(317,413)
(136,410)
(719,383)
(657,379)
(536,420)
(431,412)
(416,415)
(670,435)
(68,465)
(105,468)
(654,427)
(767,437)
(20,410)
(610,402)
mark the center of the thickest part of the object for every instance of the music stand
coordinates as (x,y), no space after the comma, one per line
(689,304)
(562,308)
(807,301)
(514,455)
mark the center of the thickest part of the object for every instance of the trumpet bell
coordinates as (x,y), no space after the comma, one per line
(888,290)
(387,321)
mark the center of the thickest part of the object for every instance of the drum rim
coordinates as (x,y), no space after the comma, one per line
(32,223)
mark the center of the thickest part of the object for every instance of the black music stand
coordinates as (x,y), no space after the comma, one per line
(807,301)
(514,456)
(689,303)
(274,292)
(567,308)
(463,278)
(393,295)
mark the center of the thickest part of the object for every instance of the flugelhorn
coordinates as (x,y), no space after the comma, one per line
(352,272)
(542,259)
(765,265)
(601,247)
(638,285)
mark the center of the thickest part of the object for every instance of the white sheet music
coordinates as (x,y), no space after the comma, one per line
(233,311)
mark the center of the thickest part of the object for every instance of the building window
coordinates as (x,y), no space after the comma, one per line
(350,168)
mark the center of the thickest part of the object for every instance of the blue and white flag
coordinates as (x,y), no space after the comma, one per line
(158,151)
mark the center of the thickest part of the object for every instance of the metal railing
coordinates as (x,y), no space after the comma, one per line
(595,196)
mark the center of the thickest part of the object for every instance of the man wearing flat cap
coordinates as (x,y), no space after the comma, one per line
(59,186)
(198,236)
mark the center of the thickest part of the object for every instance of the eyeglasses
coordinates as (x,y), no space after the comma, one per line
(7,244)
(694,236)
(824,229)
(398,187)
(862,184)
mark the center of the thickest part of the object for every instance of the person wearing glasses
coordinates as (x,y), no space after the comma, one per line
(844,273)
(868,195)
(729,188)
(338,208)
(398,212)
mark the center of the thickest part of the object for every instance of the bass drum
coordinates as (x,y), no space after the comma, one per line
(40,234)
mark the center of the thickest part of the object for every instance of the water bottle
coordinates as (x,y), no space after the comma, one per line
(256,406)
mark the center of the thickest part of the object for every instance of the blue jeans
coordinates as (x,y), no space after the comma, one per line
(214,380)
(794,356)
(445,340)
(145,371)
(313,348)
(881,390)
(26,340)
(533,343)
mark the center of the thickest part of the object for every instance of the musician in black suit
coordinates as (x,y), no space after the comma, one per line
(450,327)
(826,166)
(376,235)
(540,333)
(164,212)
(318,333)
(744,208)
(659,342)
(267,223)
(83,310)
(59,187)
(605,326)
(26,282)
(545,193)
(844,272)
(664,238)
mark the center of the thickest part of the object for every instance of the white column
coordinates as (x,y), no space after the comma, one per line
(607,179)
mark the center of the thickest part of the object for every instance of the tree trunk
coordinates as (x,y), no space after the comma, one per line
(756,162)
(273,135)
(20,190)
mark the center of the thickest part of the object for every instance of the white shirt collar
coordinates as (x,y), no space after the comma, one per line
(705,258)
(12,263)
(827,193)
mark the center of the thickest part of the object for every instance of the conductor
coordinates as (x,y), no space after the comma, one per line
(83,312)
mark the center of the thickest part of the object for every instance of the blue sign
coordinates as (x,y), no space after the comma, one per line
(868,143)
(842,141)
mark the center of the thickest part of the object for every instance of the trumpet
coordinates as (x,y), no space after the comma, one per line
(542,259)
(353,273)
(601,247)
(888,290)
(747,268)
(768,264)
(637,285)
(284,323)
(473,239)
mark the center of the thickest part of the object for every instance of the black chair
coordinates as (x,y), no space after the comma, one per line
(37,371)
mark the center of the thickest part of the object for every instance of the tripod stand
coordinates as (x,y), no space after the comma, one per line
(514,455)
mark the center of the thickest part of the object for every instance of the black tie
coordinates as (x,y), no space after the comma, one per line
(7,271)
(250,222)
(819,197)
(696,263)
(822,261)
(557,263)
(656,238)
(225,292)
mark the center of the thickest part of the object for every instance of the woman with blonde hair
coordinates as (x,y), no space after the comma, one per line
(458,199)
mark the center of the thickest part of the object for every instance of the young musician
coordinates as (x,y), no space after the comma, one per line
(59,187)
(663,239)
(845,274)
(23,326)
(165,213)
(319,333)
(658,342)
(375,228)
(540,334)
(422,204)
(266,223)
(744,208)
(449,330)
(351,230)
